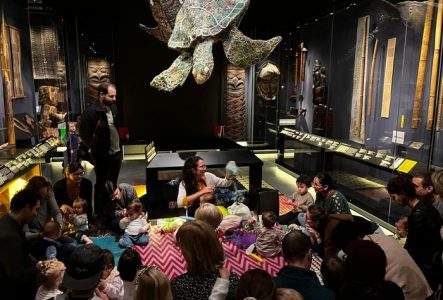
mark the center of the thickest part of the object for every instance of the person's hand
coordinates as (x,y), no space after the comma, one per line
(313,233)
(224,273)
(142,230)
(102,295)
(117,194)
(125,220)
(102,284)
(208,189)
(66,209)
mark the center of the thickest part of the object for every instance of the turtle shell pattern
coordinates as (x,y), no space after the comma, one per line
(199,19)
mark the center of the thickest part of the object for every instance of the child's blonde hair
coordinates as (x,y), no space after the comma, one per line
(50,273)
(152,283)
(210,214)
(82,202)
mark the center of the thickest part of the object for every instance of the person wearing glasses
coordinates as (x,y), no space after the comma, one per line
(73,186)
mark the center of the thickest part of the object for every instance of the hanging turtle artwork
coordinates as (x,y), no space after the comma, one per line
(198,25)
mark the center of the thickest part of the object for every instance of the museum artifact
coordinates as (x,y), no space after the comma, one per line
(99,71)
(199,24)
(45,51)
(268,81)
(17,83)
(7,85)
(371,77)
(235,104)
(49,97)
(440,104)
(435,58)
(357,127)
(389,72)
(319,92)
(422,65)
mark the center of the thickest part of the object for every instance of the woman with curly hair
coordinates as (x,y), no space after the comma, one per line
(195,182)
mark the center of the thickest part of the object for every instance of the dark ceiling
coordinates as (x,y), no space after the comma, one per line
(275,13)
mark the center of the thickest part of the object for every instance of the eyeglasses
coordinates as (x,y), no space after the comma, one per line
(78,173)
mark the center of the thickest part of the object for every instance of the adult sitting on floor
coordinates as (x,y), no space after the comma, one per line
(119,197)
(48,209)
(328,197)
(320,226)
(401,268)
(74,185)
(297,274)
(18,277)
(195,182)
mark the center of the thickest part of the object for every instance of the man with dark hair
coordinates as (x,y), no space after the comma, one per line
(99,133)
(425,189)
(17,276)
(296,275)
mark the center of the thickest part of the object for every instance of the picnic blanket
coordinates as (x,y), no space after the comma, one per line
(163,252)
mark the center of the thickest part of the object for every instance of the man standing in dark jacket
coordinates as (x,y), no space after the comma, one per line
(18,278)
(99,133)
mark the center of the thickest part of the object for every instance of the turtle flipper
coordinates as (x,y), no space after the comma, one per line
(203,61)
(244,51)
(156,32)
(175,75)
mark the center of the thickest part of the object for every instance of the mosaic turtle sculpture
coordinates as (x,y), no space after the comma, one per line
(198,25)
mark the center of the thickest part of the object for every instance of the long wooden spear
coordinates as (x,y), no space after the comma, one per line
(422,65)
(7,87)
(371,77)
(434,74)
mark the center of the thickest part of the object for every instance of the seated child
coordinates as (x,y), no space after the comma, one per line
(50,277)
(302,199)
(129,264)
(210,214)
(80,220)
(269,239)
(135,226)
(110,284)
(287,294)
(46,246)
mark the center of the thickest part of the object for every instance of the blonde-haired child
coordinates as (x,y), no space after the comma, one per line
(50,276)
(210,214)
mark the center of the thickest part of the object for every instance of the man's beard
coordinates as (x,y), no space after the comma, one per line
(107,102)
